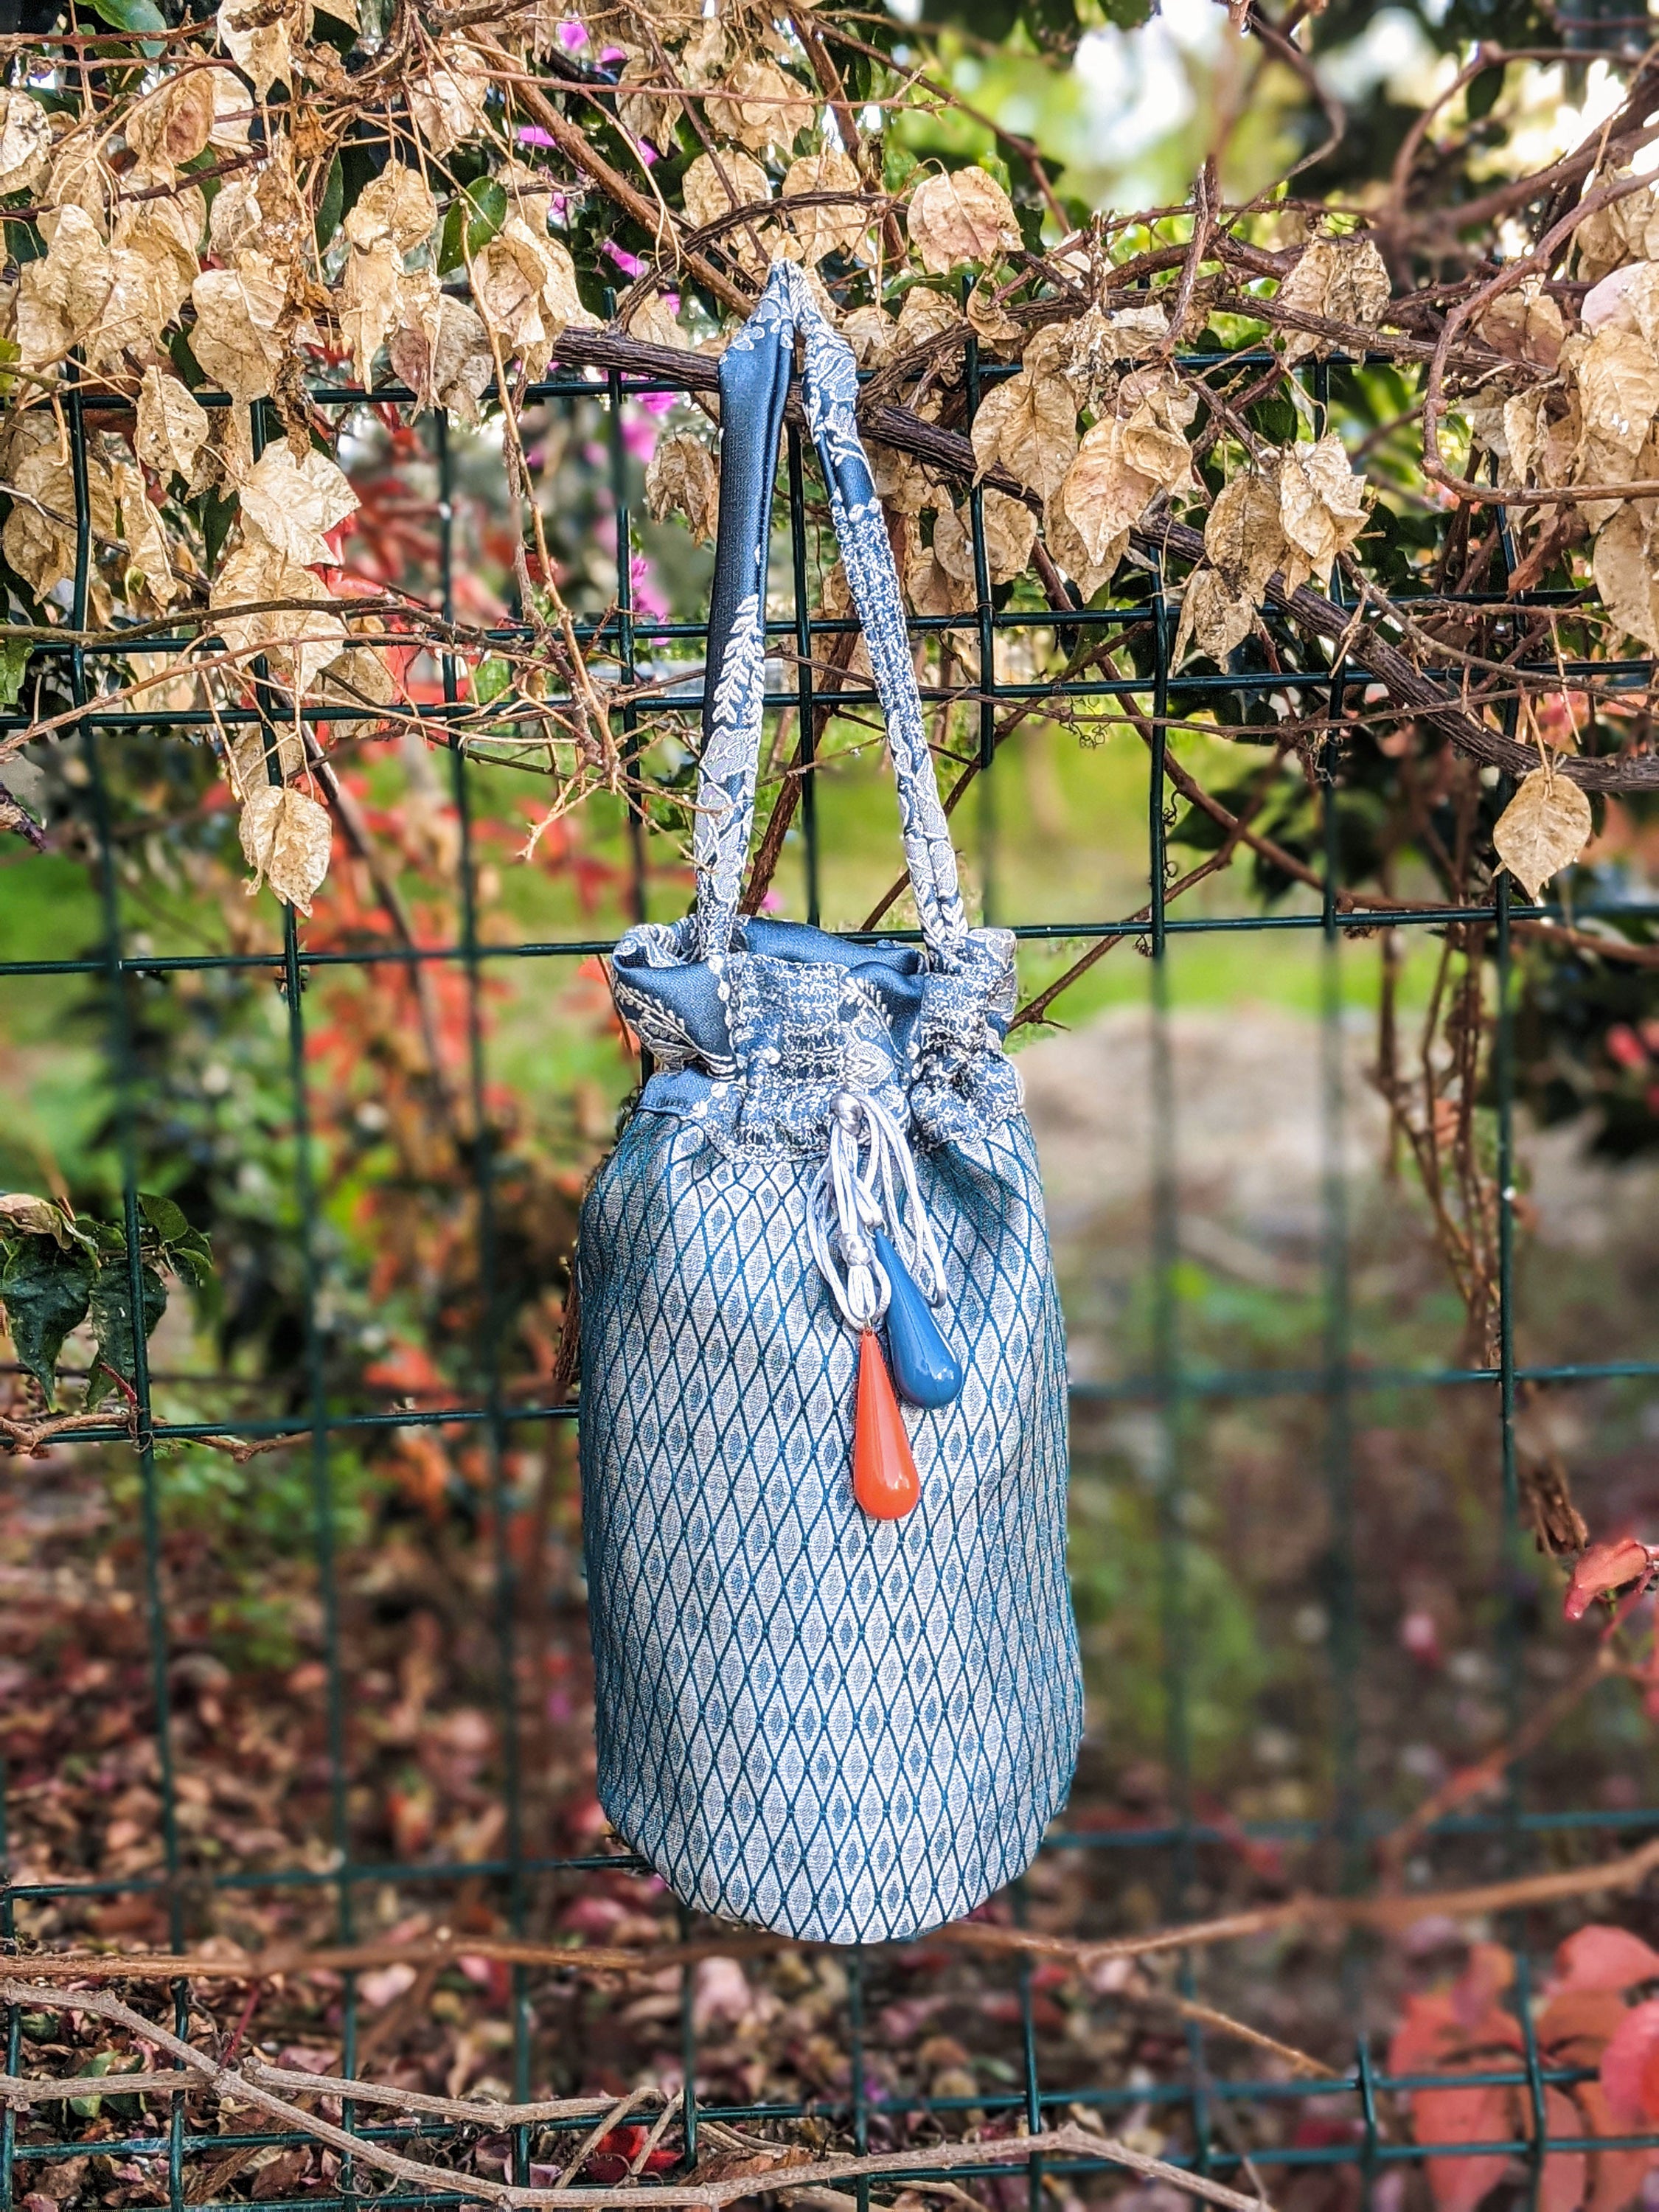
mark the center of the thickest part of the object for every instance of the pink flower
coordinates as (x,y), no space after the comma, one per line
(532,134)
(629,263)
(573,35)
(639,435)
(647,599)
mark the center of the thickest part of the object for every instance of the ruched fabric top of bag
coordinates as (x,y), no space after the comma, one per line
(845,1711)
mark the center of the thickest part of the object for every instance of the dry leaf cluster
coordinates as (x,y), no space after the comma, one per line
(192,222)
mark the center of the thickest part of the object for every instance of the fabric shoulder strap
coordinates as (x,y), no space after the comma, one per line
(754,382)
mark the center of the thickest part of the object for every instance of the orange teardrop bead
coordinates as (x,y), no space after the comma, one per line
(884,1473)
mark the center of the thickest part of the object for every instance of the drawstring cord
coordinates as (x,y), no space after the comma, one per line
(854,1198)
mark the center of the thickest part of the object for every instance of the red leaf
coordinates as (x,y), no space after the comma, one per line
(1601,1958)
(1461,2116)
(1576,2024)
(1561,2184)
(1615,2176)
(1625,2067)
(1607,1567)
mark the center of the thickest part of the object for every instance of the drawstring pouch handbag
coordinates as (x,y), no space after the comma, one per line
(837,1674)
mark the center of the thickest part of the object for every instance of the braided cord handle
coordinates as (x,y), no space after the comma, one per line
(754,373)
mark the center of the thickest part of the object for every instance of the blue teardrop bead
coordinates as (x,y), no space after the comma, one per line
(925,1370)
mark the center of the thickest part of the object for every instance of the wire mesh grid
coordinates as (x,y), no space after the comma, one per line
(1201,2110)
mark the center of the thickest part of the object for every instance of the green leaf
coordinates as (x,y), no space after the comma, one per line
(898,165)
(190,1258)
(482,207)
(493,677)
(133,15)
(450,256)
(14,665)
(103,2062)
(168,1220)
(486,200)
(218,511)
(45,1291)
(1483,93)
(189,369)
(129,14)
(112,1319)
(331,207)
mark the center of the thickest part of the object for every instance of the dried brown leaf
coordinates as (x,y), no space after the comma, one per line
(1346,280)
(1214,615)
(298,642)
(994,325)
(286,837)
(760,106)
(256,746)
(170,125)
(239,337)
(1618,380)
(359,678)
(647,112)
(172,428)
(826,229)
(1104,495)
(1624,571)
(261,35)
(869,334)
(447,100)
(396,209)
(682,477)
(1029,427)
(38,539)
(447,362)
(293,504)
(1322,506)
(1242,534)
(1010,533)
(713,186)
(1134,333)
(149,562)
(62,294)
(1626,230)
(525,287)
(932,589)
(1526,324)
(1065,547)
(25,143)
(371,304)
(961,214)
(1543,830)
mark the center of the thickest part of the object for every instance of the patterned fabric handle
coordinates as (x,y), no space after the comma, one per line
(755,374)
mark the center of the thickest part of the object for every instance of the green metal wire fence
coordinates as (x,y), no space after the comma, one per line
(1339,2122)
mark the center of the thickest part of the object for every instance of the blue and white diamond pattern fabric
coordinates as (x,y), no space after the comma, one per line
(846,1729)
